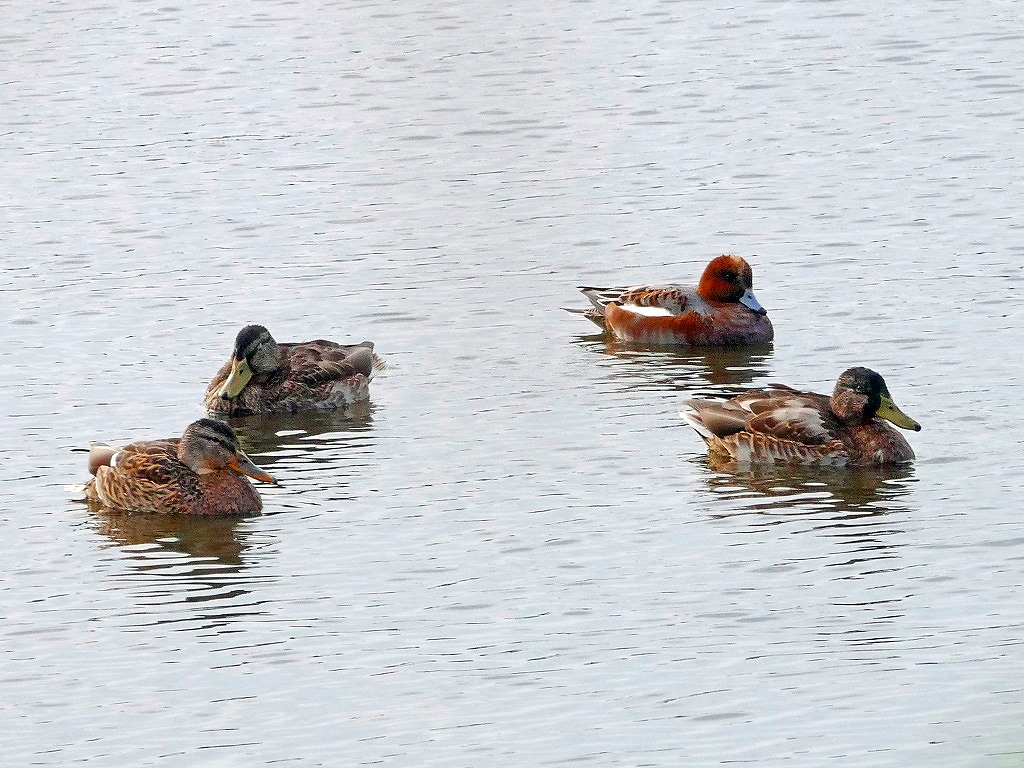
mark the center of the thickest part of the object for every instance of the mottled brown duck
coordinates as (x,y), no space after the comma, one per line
(780,424)
(200,473)
(263,376)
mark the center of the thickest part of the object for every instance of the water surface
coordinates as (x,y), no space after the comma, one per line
(517,554)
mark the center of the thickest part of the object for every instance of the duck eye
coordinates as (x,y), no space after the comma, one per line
(729,276)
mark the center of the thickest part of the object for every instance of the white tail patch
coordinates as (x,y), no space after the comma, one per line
(693,419)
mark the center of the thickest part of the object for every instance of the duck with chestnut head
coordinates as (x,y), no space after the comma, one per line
(721,311)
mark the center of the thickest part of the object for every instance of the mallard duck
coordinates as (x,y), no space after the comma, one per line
(781,424)
(721,311)
(197,474)
(263,376)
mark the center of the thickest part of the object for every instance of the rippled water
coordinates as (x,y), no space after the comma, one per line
(517,554)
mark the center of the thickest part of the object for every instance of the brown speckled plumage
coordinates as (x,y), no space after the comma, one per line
(197,474)
(779,424)
(288,378)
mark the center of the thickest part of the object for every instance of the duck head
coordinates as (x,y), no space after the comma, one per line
(729,279)
(212,446)
(861,395)
(255,356)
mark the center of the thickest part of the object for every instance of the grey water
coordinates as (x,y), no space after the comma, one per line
(517,553)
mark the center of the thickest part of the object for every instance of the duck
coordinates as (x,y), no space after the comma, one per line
(779,424)
(201,473)
(721,311)
(264,377)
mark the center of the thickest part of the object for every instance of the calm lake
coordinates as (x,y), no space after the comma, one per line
(517,553)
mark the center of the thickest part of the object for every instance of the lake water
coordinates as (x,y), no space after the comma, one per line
(517,555)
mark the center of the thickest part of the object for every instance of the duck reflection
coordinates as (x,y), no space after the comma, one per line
(850,492)
(170,561)
(856,507)
(152,537)
(860,514)
(683,369)
(186,572)
(315,448)
(272,431)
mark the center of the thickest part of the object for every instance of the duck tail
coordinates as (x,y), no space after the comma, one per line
(596,316)
(692,417)
(361,360)
(100,455)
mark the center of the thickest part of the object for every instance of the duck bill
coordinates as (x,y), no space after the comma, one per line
(237,380)
(243,465)
(890,412)
(749,300)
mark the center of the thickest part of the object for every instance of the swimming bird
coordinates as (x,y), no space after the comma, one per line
(721,311)
(200,473)
(780,424)
(263,376)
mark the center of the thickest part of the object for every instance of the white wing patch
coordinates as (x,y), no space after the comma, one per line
(647,311)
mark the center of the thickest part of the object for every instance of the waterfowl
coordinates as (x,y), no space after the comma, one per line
(200,473)
(721,311)
(780,424)
(263,376)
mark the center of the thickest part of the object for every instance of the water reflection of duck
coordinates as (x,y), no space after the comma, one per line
(188,560)
(858,511)
(198,537)
(859,519)
(854,491)
(325,444)
(270,436)
(668,367)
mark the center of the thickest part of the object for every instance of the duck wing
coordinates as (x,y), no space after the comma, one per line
(141,476)
(151,458)
(778,412)
(319,362)
(665,300)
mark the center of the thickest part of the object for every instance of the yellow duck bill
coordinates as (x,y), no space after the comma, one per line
(889,411)
(237,380)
